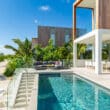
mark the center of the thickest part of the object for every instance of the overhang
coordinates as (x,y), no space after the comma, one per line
(89,38)
(85,3)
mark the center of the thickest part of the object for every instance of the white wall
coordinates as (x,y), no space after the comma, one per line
(81,63)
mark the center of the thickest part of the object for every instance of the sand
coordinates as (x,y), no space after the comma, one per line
(3,86)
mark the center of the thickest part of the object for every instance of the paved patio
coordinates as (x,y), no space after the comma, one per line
(3,66)
(101,79)
(3,86)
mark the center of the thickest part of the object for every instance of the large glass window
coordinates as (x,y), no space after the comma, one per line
(52,37)
(67,38)
(83,21)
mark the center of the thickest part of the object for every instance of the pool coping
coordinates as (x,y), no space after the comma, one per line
(77,74)
(97,79)
(33,102)
(92,83)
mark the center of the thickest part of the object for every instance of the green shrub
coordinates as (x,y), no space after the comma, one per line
(10,69)
(12,65)
(2,57)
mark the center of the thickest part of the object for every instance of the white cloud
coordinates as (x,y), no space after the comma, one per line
(5,51)
(44,8)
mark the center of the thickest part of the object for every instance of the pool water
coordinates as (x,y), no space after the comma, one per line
(69,92)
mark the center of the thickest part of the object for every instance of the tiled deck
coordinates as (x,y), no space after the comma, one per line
(102,79)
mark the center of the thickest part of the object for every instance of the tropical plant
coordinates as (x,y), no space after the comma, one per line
(2,57)
(57,54)
(12,65)
(49,51)
(24,49)
(67,51)
(38,53)
(53,53)
(81,49)
(106,51)
(22,58)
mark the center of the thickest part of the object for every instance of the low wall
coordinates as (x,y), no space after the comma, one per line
(81,62)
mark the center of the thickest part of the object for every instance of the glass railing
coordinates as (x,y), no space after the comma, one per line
(12,89)
(106,66)
(91,65)
(60,64)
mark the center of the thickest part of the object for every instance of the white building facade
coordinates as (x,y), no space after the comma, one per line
(100,32)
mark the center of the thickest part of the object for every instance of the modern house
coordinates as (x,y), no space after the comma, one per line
(59,35)
(100,31)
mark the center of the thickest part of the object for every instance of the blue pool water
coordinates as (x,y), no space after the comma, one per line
(69,92)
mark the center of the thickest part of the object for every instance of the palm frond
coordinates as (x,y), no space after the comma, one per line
(11,48)
(18,42)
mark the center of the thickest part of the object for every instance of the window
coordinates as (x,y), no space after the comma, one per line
(52,37)
(67,38)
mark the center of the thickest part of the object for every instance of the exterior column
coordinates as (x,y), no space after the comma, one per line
(98,52)
(75,55)
(93,19)
(93,52)
(74,22)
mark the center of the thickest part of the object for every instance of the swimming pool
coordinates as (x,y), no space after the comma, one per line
(70,92)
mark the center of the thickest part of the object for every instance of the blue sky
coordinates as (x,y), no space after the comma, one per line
(20,18)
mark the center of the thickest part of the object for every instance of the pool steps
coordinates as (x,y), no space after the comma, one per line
(25,90)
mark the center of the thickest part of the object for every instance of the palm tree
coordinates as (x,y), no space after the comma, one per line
(24,49)
(38,53)
(81,49)
(106,51)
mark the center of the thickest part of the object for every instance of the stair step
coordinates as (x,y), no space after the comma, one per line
(24,83)
(20,104)
(25,79)
(21,99)
(24,86)
(29,80)
(24,91)
(29,87)
(22,95)
(29,76)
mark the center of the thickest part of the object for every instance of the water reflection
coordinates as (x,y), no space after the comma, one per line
(68,92)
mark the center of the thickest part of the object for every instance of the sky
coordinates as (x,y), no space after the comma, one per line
(20,18)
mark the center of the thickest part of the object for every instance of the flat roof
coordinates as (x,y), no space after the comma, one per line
(86,3)
(43,26)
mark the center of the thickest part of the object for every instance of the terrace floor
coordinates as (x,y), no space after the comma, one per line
(101,79)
